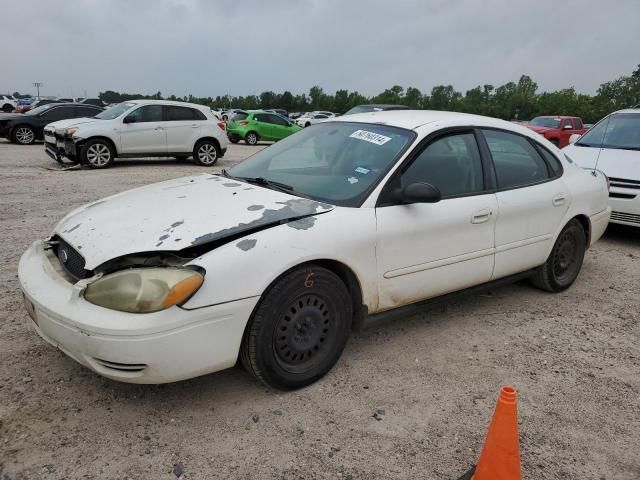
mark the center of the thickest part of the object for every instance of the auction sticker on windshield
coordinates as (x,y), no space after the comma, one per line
(370,137)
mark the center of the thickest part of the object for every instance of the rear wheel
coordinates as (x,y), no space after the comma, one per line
(299,329)
(206,153)
(97,153)
(565,261)
(251,138)
(7,108)
(24,135)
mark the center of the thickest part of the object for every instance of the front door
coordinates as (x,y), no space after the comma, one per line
(143,132)
(429,249)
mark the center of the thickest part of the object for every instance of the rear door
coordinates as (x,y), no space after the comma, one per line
(532,201)
(144,132)
(182,125)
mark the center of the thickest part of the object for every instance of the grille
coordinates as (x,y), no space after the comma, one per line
(121,367)
(625,196)
(625,217)
(624,183)
(71,261)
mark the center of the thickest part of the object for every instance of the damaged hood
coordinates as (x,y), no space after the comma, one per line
(178,214)
(71,122)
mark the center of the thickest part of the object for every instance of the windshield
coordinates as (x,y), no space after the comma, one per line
(39,110)
(335,162)
(548,122)
(115,111)
(619,130)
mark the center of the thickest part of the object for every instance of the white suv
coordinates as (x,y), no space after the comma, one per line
(139,128)
(8,103)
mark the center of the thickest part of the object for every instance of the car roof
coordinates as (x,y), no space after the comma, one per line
(629,110)
(556,116)
(167,102)
(413,119)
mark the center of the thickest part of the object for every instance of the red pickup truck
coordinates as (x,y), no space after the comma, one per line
(557,129)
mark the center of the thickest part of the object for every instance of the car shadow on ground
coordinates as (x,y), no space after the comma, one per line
(623,235)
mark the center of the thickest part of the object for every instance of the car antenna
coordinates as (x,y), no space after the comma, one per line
(604,135)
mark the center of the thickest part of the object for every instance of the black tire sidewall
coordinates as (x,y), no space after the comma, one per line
(578,232)
(260,332)
(85,148)
(200,144)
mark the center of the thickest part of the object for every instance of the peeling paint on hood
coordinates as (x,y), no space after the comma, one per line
(177,214)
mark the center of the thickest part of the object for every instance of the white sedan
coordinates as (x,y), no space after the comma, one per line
(613,146)
(312,118)
(299,243)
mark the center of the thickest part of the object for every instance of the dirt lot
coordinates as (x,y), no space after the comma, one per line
(574,358)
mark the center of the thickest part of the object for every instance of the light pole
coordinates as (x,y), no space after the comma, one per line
(37,85)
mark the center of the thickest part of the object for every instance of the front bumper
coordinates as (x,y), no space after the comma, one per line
(166,346)
(625,211)
(57,147)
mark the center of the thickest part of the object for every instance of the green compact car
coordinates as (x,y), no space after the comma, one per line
(257,125)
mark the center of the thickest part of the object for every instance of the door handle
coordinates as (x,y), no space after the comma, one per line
(158,128)
(481,216)
(558,200)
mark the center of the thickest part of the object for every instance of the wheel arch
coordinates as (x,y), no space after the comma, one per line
(99,137)
(252,131)
(209,137)
(586,225)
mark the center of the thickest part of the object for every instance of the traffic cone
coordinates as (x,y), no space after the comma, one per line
(500,457)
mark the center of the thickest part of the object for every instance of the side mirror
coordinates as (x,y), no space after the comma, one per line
(568,127)
(574,138)
(420,192)
(129,119)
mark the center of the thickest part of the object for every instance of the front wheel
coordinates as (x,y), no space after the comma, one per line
(24,135)
(565,261)
(206,153)
(97,153)
(251,138)
(299,329)
(7,108)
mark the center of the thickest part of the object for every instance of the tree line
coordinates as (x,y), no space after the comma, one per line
(513,100)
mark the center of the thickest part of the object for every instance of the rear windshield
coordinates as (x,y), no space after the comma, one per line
(239,116)
(619,130)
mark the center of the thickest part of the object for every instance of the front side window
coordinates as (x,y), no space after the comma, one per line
(338,162)
(516,161)
(618,130)
(59,113)
(278,120)
(451,163)
(148,113)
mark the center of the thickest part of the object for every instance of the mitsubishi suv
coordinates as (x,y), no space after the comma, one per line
(139,128)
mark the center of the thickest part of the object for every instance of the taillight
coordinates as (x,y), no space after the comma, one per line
(243,123)
(223,126)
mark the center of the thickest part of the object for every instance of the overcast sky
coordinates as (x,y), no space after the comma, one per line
(213,47)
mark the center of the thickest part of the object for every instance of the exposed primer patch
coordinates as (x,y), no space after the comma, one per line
(177,224)
(72,229)
(231,184)
(291,210)
(94,204)
(253,208)
(303,223)
(248,188)
(164,237)
(181,196)
(246,244)
(177,239)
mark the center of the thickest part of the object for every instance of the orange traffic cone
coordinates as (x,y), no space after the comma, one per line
(500,457)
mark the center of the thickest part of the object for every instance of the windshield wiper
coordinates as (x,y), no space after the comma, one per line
(281,187)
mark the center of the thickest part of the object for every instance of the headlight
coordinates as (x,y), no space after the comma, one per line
(144,290)
(71,131)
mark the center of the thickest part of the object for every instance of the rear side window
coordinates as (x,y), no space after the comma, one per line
(516,161)
(451,163)
(577,123)
(554,163)
(87,111)
(262,117)
(175,114)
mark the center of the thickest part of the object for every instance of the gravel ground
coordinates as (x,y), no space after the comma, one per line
(574,358)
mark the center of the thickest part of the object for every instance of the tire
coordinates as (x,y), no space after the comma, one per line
(234,139)
(97,153)
(181,157)
(565,261)
(7,108)
(299,329)
(251,138)
(307,125)
(23,135)
(555,142)
(206,153)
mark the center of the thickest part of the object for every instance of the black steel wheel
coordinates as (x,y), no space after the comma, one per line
(565,261)
(299,329)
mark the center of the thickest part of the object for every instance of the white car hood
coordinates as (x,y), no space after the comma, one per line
(615,163)
(70,122)
(177,214)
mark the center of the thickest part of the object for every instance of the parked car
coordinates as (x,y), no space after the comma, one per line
(310,119)
(256,125)
(66,100)
(139,128)
(613,147)
(557,129)
(377,107)
(229,113)
(8,103)
(274,261)
(279,111)
(26,128)
(37,103)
